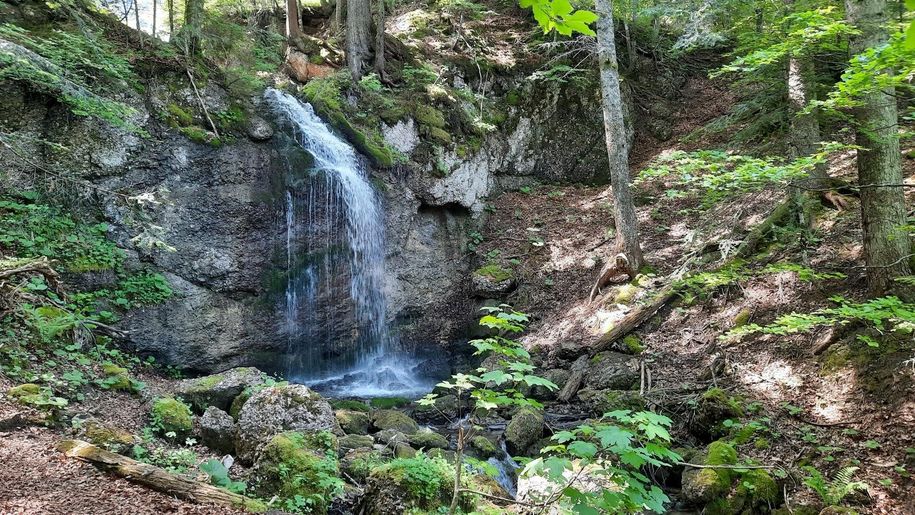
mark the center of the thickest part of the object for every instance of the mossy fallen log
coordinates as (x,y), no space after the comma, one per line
(157,478)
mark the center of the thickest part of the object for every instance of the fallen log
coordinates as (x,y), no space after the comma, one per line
(633,320)
(156,478)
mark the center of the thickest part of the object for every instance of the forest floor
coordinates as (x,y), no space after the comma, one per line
(852,405)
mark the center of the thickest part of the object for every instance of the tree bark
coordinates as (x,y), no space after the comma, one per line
(156,478)
(379,40)
(154,18)
(293,29)
(136,17)
(627,231)
(339,16)
(171,19)
(358,36)
(193,26)
(883,213)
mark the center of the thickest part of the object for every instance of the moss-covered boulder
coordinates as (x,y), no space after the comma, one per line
(25,394)
(116,378)
(418,483)
(348,442)
(353,422)
(482,447)
(294,463)
(714,407)
(444,408)
(428,440)
(171,415)
(524,429)
(492,281)
(106,436)
(350,405)
(393,419)
(701,486)
(219,389)
(359,463)
(612,370)
(216,429)
(277,409)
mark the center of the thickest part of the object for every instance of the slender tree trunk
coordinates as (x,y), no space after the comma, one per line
(883,213)
(339,16)
(627,231)
(629,27)
(171,19)
(193,26)
(379,40)
(136,17)
(358,36)
(293,30)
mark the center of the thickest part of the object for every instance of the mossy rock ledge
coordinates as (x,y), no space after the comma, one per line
(492,281)
(294,463)
(393,419)
(219,390)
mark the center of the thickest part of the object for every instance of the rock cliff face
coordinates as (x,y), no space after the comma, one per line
(222,212)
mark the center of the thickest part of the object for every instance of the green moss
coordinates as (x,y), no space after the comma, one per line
(108,437)
(298,464)
(23,391)
(429,116)
(494,273)
(633,344)
(353,422)
(206,383)
(170,415)
(428,440)
(389,402)
(392,419)
(438,135)
(116,378)
(721,453)
(712,482)
(626,293)
(759,487)
(425,481)
(721,398)
(745,433)
(483,446)
(178,117)
(742,318)
(761,443)
(202,136)
(513,97)
(360,464)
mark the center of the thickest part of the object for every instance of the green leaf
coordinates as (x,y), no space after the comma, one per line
(582,449)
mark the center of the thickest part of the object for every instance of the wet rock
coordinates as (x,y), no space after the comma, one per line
(219,389)
(482,447)
(393,419)
(353,422)
(525,428)
(599,402)
(217,430)
(612,370)
(258,129)
(277,409)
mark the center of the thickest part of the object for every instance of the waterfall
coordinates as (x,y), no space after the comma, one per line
(335,228)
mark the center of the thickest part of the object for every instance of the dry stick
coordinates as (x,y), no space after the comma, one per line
(498,498)
(199,99)
(738,467)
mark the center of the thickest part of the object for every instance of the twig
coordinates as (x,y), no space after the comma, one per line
(497,497)
(199,99)
(737,467)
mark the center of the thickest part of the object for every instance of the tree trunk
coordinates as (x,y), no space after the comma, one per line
(358,36)
(193,26)
(379,40)
(339,16)
(136,17)
(156,478)
(293,30)
(627,230)
(154,19)
(171,19)
(629,28)
(883,214)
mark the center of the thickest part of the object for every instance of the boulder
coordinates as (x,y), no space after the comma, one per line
(393,419)
(391,437)
(217,430)
(301,69)
(445,409)
(219,389)
(492,281)
(170,415)
(294,464)
(525,428)
(599,402)
(428,440)
(482,447)
(278,409)
(391,488)
(349,442)
(701,486)
(713,408)
(558,376)
(353,422)
(258,129)
(612,370)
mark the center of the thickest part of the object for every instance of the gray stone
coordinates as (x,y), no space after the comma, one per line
(393,419)
(524,429)
(216,429)
(428,440)
(218,390)
(612,370)
(259,129)
(278,409)
(355,442)
(353,422)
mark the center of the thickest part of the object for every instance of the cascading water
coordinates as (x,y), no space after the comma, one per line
(335,228)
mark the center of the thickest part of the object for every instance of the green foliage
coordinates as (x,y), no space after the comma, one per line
(177,461)
(350,404)
(559,15)
(718,175)
(494,272)
(219,476)
(31,394)
(832,492)
(614,450)
(302,470)
(29,229)
(425,479)
(388,402)
(882,314)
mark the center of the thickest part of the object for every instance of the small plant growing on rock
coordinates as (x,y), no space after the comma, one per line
(834,491)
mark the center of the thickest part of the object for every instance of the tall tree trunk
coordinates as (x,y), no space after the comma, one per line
(627,230)
(293,30)
(193,26)
(379,40)
(154,19)
(358,36)
(629,28)
(136,18)
(171,19)
(339,16)
(883,214)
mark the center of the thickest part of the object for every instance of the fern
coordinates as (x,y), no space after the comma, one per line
(841,486)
